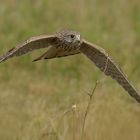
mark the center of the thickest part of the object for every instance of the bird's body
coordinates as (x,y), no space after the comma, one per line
(66,43)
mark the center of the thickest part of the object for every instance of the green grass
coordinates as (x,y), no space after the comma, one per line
(34,95)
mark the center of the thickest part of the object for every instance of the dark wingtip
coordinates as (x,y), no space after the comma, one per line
(35,60)
(38,59)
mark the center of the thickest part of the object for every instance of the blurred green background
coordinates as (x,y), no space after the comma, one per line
(32,94)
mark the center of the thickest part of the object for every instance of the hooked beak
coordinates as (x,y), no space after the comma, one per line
(78,38)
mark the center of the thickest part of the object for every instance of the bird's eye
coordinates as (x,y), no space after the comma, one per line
(72,36)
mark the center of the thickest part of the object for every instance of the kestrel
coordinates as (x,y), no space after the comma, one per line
(66,43)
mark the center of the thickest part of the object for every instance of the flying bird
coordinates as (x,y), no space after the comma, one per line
(65,43)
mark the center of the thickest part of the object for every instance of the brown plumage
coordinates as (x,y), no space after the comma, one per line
(66,43)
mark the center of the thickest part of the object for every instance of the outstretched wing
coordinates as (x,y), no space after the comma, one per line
(54,52)
(30,45)
(106,65)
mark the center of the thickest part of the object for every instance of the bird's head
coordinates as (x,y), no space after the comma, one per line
(70,38)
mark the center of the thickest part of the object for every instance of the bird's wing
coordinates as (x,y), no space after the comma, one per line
(106,65)
(30,45)
(54,52)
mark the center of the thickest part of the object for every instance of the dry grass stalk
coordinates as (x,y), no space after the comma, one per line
(90,99)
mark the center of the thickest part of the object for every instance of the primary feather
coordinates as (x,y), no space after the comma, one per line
(102,60)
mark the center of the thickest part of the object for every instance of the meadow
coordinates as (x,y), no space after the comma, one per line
(37,100)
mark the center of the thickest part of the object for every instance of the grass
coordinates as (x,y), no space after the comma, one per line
(34,96)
